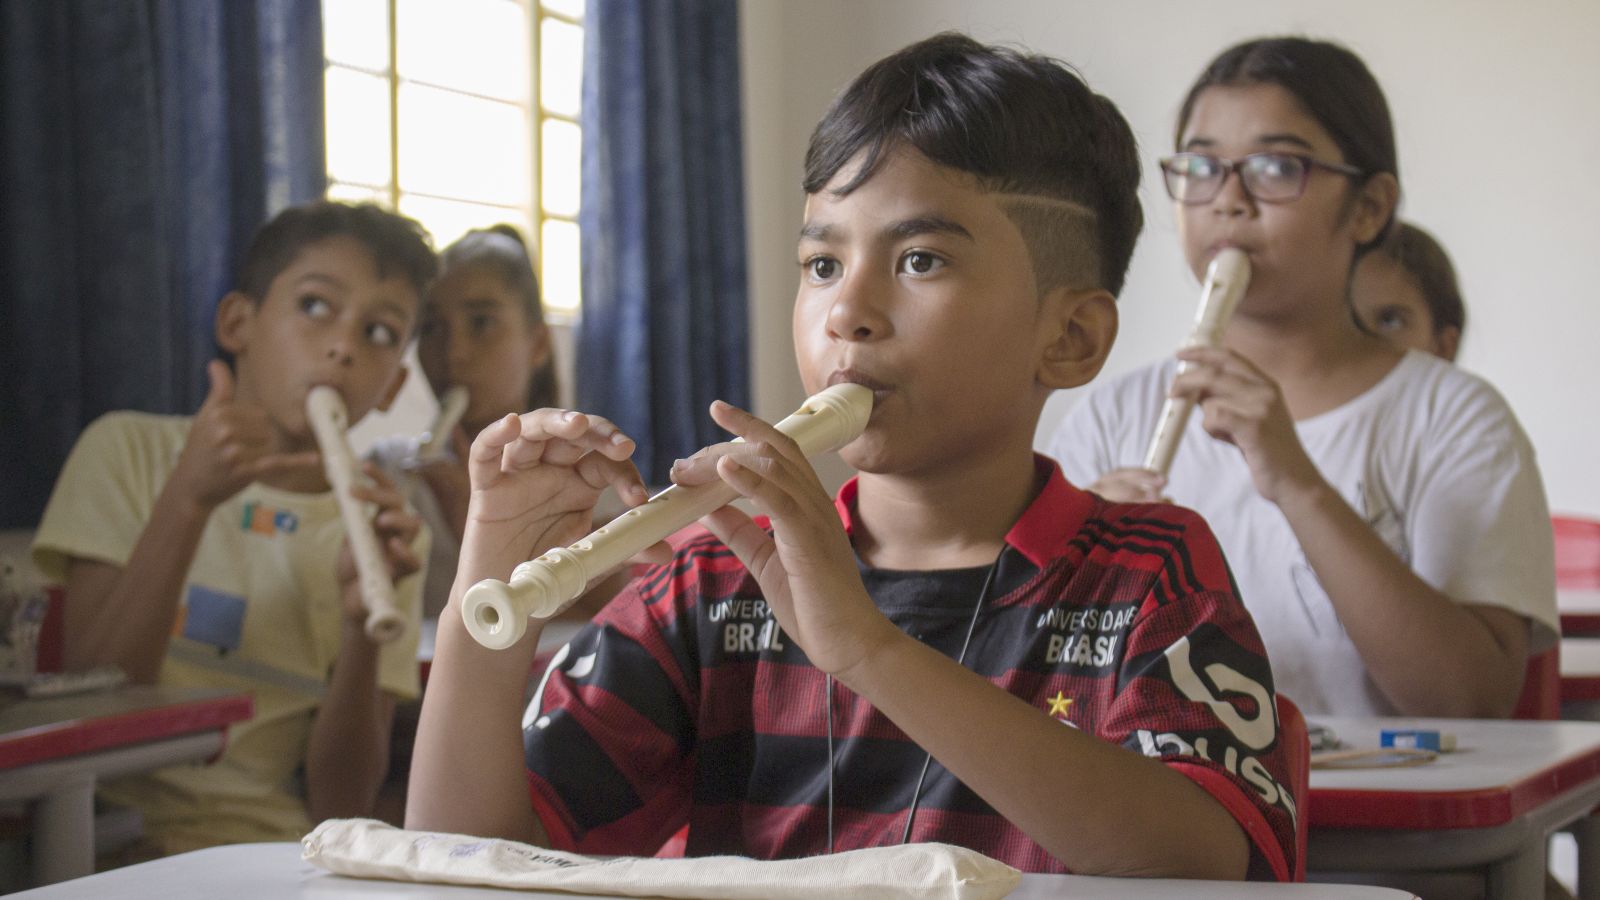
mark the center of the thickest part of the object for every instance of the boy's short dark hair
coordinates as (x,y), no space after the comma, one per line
(398,245)
(1025,125)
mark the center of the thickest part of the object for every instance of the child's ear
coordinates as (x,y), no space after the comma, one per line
(393,391)
(539,352)
(1447,341)
(1375,206)
(1077,329)
(235,315)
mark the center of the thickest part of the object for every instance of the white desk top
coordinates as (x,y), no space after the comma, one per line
(1578,600)
(1580,657)
(262,871)
(1490,753)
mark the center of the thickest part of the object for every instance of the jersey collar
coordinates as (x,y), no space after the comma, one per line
(1040,534)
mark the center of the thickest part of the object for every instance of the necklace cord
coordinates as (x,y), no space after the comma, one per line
(927,760)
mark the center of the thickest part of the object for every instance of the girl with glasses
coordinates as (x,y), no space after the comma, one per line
(1381,508)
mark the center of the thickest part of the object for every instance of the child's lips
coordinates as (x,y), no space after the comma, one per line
(856,376)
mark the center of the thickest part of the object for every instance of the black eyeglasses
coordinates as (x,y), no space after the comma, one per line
(1269,177)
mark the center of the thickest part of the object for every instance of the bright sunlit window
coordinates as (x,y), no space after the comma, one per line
(462,114)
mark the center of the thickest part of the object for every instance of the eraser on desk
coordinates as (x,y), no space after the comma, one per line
(1417,739)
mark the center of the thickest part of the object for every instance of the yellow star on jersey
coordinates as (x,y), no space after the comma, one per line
(1059,704)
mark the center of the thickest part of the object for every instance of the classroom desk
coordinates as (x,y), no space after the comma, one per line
(1580,670)
(1579,609)
(1491,804)
(54,751)
(263,871)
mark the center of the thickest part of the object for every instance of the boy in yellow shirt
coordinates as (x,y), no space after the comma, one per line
(208,550)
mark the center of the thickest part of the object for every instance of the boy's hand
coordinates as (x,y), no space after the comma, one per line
(1244,406)
(806,567)
(1131,485)
(395,526)
(535,481)
(229,446)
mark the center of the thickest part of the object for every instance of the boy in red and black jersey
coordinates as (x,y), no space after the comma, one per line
(1078,678)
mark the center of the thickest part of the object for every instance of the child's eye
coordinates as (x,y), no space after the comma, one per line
(1392,318)
(315,307)
(383,335)
(481,324)
(920,262)
(821,268)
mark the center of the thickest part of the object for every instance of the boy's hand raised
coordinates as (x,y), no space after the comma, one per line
(535,481)
(230,445)
(806,567)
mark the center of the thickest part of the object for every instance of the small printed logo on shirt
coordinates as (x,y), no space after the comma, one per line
(211,617)
(260,518)
(1060,704)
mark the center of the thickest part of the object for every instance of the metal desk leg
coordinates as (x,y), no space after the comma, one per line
(1519,876)
(61,820)
(1586,831)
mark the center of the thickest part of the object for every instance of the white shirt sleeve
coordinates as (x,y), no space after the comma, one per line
(1479,522)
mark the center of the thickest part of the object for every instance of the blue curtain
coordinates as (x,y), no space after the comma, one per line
(141,142)
(664,328)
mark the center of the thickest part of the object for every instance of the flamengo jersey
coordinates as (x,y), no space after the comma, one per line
(684,702)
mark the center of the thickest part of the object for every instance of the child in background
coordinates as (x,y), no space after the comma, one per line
(1382,510)
(971,212)
(208,550)
(482,328)
(1406,291)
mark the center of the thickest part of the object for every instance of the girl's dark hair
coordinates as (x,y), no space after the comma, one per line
(1021,123)
(501,251)
(1331,84)
(1415,251)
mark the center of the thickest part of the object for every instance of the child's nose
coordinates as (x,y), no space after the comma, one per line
(855,316)
(1232,199)
(341,349)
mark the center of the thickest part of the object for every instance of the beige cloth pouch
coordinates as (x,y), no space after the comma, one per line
(364,848)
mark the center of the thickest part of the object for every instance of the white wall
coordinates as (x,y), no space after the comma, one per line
(1495,104)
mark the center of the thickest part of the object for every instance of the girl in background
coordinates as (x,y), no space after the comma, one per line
(1406,291)
(1381,509)
(482,328)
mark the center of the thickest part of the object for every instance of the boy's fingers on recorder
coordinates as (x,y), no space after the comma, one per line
(403,560)
(754,429)
(600,472)
(382,490)
(656,554)
(734,527)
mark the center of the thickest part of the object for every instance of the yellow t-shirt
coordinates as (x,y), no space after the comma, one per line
(261,612)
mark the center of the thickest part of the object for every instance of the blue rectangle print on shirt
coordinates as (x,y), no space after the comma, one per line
(214,618)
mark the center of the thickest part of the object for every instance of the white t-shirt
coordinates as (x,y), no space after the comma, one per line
(1430,457)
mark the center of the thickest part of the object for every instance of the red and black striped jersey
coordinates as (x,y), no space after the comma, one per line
(684,703)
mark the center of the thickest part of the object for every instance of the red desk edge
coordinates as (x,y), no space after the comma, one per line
(62,739)
(1575,624)
(1440,810)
